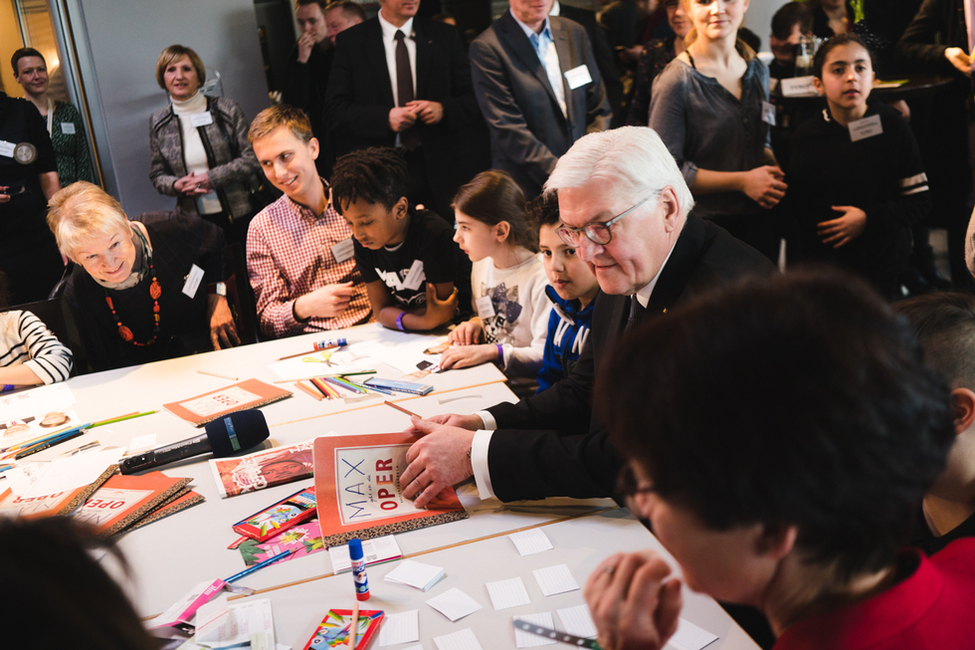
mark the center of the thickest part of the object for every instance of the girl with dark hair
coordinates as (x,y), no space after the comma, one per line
(508,280)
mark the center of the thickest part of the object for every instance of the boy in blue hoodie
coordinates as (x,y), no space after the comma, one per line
(572,291)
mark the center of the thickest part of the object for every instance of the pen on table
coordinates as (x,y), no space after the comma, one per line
(321,345)
(213,374)
(400,408)
(41,440)
(120,418)
(259,565)
(41,447)
(85,447)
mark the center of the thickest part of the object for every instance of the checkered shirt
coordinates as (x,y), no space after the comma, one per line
(289,255)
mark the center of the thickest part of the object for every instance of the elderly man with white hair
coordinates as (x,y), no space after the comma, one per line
(625,207)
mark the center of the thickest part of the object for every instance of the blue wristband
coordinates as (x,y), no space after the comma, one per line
(399,321)
(500,354)
(7,387)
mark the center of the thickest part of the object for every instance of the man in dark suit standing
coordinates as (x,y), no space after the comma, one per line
(624,205)
(311,61)
(404,81)
(539,88)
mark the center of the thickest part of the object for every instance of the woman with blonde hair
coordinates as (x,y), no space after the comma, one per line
(142,290)
(199,147)
(710,107)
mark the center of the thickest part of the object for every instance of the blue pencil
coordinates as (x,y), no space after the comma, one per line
(259,565)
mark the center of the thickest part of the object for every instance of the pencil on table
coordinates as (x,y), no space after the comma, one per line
(308,390)
(400,408)
(354,626)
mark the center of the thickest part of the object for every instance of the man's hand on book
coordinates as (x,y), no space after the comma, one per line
(437,461)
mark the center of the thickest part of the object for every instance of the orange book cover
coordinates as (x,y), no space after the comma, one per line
(247,394)
(359,495)
(124,499)
(58,503)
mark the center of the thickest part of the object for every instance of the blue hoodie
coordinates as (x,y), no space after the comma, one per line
(568,330)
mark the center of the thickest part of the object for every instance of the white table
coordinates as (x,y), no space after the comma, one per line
(172,555)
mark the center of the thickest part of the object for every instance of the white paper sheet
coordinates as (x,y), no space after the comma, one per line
(508,593)
(248,621)
(463,640)
(374,551)
(578,621)
(690,636)
(527,639)
(402,627)
(72,472)
(415,574)
(454,604)
(529,542)
(555,580)
(36,401)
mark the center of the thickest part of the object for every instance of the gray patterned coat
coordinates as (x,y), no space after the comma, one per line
(233,166)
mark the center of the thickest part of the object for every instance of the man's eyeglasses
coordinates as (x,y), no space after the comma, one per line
(598,232)
(627,485)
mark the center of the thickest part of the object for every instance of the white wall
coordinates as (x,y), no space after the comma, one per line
(124,39)
(759,18)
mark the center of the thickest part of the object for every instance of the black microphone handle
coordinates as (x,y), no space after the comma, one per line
(165,455)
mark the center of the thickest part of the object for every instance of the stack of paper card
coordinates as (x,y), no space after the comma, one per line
(374,551)
(415,574)
(454,604)
(507,593)
(529,542)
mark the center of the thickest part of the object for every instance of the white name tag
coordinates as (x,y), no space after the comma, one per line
(415,277)
(485,308)
(578,77)
(343,250)
(798,87)
(67,128)
(865,128)
(193,281)
(7,149)
(201,119)
(768,113)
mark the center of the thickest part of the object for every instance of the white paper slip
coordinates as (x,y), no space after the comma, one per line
(193,279)
(148,441)
(555,580)
(415,574)
(402,627)
(578,77)
(525,639)
(201,119)
(454,604)
(248,621)
(798,87)
(507,593)
(67,128)
(690,637)
(531,541)
(72,472)
(463,640)
(577,621)
(868,127)
(374,551)
(415,277)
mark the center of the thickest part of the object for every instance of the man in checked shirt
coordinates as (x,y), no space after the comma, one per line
(299,250)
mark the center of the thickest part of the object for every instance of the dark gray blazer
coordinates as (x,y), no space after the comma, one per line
(528,130)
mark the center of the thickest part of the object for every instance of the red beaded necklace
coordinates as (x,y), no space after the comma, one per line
(155,290)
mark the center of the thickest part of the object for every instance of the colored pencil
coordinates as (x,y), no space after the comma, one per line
(129,416)
(354,625)
(33,450)
(213,374)
(311,392)
(259,565)
(400,408)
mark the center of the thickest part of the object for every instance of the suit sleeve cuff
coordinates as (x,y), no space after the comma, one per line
(479,463)
(487,419)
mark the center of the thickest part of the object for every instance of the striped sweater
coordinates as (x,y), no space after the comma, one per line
(25,339)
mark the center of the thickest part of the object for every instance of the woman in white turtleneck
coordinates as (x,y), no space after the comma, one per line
(200,152)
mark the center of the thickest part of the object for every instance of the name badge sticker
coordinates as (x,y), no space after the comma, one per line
(67,128)
(865,128)
(485,308)
(343,250)
(193,281)
(799,87)
(768,113)
(415,277)
(201,119)
(578,77)
(7,149)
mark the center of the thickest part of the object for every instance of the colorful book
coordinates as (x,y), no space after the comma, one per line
(358,489)
(333,631)
(123,500)
(248,394)
(56,503)
(263,469)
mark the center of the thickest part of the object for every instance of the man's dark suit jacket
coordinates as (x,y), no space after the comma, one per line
(305,88)
(360,97)
(605,57)
(528,130)
(566,458)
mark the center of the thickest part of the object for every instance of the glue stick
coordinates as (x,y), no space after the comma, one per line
(359,569)
(328,345)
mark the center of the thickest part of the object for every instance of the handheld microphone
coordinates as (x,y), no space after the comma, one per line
(224,437)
